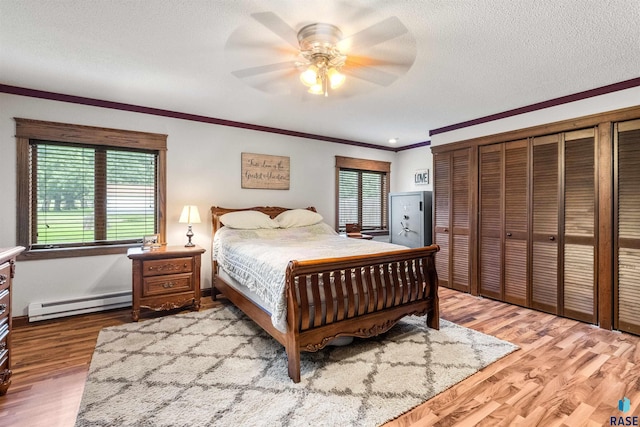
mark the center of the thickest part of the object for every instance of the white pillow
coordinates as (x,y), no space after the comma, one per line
(248,220)
(298,218)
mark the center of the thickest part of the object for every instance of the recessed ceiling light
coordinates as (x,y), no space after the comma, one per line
(393,140)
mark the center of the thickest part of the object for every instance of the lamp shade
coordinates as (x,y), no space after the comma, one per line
(335,78)
(310,76)
(190,215)
(316,89)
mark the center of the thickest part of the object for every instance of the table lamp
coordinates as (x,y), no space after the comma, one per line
(190,215)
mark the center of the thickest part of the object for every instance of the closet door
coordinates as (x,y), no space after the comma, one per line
(516,222)
(579,257)
(442,214)
(544,236)
(452,217)
(491,221)
(460,219)
(503,221)
(627,245)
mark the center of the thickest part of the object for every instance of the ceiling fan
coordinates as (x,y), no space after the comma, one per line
(322,57)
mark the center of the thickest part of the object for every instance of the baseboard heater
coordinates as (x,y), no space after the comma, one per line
(70,307)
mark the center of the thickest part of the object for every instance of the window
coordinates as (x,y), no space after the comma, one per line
(362,193)
(87,191)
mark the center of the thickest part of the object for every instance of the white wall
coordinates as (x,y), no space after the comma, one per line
(203,169)
(410,161)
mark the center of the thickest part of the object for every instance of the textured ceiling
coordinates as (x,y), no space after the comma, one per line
(473,58)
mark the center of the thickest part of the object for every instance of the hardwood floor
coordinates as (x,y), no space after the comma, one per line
(566,373)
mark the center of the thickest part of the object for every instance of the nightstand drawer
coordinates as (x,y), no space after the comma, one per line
(168,284)
(157,267)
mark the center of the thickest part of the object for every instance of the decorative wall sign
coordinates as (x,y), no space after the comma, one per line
(421,177)
(264,171)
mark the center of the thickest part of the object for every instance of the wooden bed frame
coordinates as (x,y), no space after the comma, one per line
(399,283)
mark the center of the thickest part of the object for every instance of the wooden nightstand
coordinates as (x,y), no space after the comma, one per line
(165,278)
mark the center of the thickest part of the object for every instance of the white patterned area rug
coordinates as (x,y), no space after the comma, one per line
(218,368)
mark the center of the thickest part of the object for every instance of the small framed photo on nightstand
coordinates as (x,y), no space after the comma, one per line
(150,242)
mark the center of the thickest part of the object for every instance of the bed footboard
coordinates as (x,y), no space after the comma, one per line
(358,296)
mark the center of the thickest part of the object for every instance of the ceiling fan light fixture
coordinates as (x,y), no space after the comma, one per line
(309,77)
(336,79)
(321,58)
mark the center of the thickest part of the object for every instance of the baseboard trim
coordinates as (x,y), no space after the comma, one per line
(21,321)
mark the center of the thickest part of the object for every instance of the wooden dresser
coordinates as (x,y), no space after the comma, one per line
(165,278)
(7,271)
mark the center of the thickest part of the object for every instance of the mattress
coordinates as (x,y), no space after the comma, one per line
(257,259)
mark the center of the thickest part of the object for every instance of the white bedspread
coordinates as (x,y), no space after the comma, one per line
(258,258)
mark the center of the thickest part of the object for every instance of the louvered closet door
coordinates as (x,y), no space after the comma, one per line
(627,272)
(460,219)
(578,275)
(503,221)
(452,217)
(516,221)
(442,213)
(490,221)
(544,256)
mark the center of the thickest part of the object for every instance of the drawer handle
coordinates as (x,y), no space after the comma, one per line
(168,285)
(3,279)
(509,234)
(166,267)
(552,238)
(3,308)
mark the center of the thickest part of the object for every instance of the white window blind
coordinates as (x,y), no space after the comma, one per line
(131,191)
(90,195)
(362,199)
(348,200)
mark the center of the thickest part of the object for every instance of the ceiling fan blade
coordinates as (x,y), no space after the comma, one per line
(371,74)
(400,62)
(235,43)
(279,85)
(262,69)
(384,30)
(274,23)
